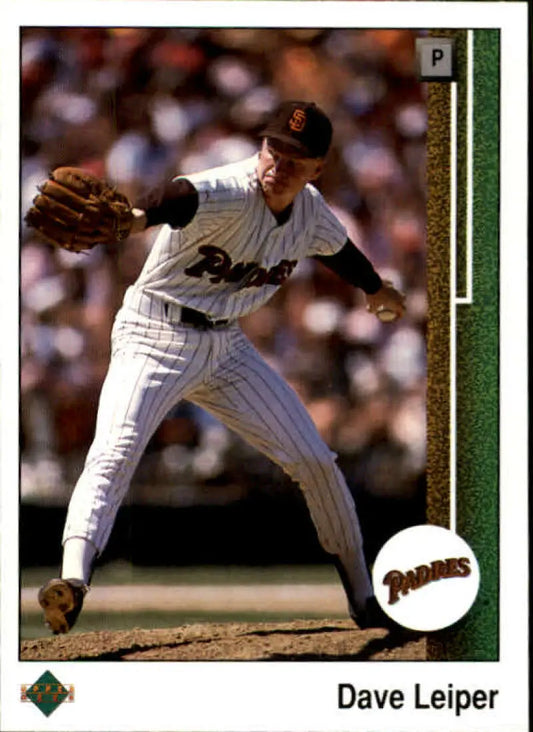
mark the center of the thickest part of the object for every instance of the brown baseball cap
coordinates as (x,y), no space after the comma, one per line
(303,125)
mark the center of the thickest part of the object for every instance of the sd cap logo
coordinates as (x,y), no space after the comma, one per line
(298,120)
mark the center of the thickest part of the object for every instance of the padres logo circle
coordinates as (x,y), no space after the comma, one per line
(426,577)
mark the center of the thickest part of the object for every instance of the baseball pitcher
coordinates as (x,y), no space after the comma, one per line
(230,237)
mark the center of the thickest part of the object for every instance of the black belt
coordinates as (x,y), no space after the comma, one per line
(199,320)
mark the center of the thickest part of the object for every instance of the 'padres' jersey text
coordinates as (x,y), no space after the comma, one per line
(233,255)
(217,263)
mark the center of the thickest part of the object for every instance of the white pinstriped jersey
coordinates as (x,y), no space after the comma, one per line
(233,255)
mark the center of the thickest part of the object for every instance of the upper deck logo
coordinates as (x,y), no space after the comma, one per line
(47,693)
(426,577)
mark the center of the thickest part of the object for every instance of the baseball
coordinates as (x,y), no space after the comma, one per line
(386,315)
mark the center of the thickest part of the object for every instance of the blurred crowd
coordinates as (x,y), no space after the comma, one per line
(136,106)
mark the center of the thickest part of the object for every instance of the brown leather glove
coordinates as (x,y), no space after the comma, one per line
(76,210)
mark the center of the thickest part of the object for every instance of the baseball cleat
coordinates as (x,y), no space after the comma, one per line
(373,616)
(62,600)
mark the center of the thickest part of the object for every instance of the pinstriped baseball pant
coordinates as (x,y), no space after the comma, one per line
(155,364)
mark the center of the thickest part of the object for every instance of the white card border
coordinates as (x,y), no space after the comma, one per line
(282,696)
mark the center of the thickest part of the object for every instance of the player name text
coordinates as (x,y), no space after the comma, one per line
(452,699)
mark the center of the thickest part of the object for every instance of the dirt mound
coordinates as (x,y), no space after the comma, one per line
(299,640)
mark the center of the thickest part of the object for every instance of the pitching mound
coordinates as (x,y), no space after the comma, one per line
(299,640)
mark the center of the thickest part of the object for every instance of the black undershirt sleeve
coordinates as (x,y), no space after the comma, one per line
(351,264)
(174,203)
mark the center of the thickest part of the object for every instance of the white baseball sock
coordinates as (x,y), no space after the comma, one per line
(78,558)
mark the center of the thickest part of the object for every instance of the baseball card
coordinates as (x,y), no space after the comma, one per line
(264,460)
